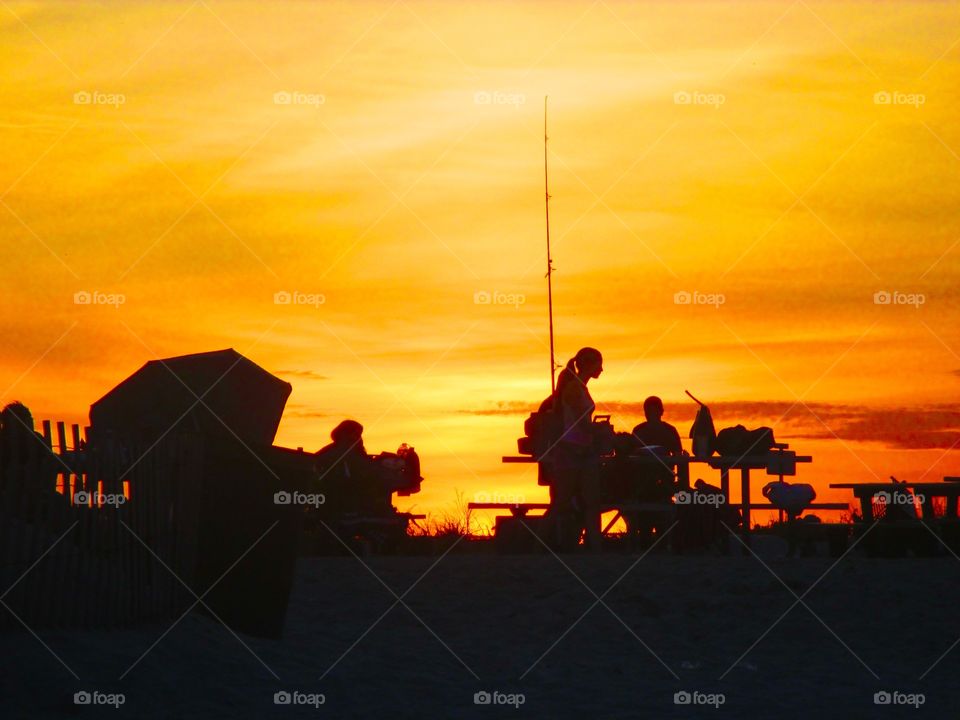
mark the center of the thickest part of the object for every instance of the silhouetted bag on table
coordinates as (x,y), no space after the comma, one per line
(604,436)
(739,441)
(702,432)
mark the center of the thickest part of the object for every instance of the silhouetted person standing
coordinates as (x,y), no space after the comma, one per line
(575,497)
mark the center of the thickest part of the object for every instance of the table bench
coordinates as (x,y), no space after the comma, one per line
(520,510)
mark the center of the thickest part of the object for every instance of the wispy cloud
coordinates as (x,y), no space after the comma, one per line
(510,407)
(302,374)
(921,428)
(304,411)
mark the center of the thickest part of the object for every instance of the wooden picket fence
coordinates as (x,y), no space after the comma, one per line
(82,527)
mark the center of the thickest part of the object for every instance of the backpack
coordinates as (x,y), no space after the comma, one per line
(542,430)
(411,470)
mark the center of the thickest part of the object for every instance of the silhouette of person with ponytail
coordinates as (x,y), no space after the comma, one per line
(575,492)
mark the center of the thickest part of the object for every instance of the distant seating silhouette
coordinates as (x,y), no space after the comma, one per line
(357,490)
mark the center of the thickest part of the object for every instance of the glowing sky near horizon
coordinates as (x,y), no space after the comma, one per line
(409,179)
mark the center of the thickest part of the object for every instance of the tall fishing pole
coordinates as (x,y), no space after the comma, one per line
(546,193)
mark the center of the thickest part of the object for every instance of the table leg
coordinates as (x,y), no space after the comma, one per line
(745,504)
(725,487)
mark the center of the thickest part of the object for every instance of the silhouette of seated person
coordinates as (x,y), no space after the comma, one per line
(659,439)
(654,481)
(654,431)
(348,477)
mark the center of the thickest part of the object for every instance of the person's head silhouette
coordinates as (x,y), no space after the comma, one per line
(16,418)
(349,433)
(586,364)
(653,408)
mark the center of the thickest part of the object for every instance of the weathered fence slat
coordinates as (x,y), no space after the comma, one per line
(99,574)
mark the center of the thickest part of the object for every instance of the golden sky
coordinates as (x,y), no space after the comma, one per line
(790,159)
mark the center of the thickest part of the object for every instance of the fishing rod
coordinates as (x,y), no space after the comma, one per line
(694,399)
(546,193)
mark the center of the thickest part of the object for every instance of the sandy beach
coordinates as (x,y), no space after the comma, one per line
(523,627)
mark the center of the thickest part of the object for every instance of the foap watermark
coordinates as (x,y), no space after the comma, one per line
(895,97)
(295,97)
(683,297)
(499,497)
(484,297)
(298,498)
(499,97)
(900,498)
(295,697)
(295,297)
(884,297)
(685,497)
(84,297)
(98,499)
(95,697)
(686,697)
(896,697)
(95,97)
(495,697)
(714,100)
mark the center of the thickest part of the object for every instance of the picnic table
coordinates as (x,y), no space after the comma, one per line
(925,492)
(779,462)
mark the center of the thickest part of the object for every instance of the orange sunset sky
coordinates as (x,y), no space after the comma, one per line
(790,159)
